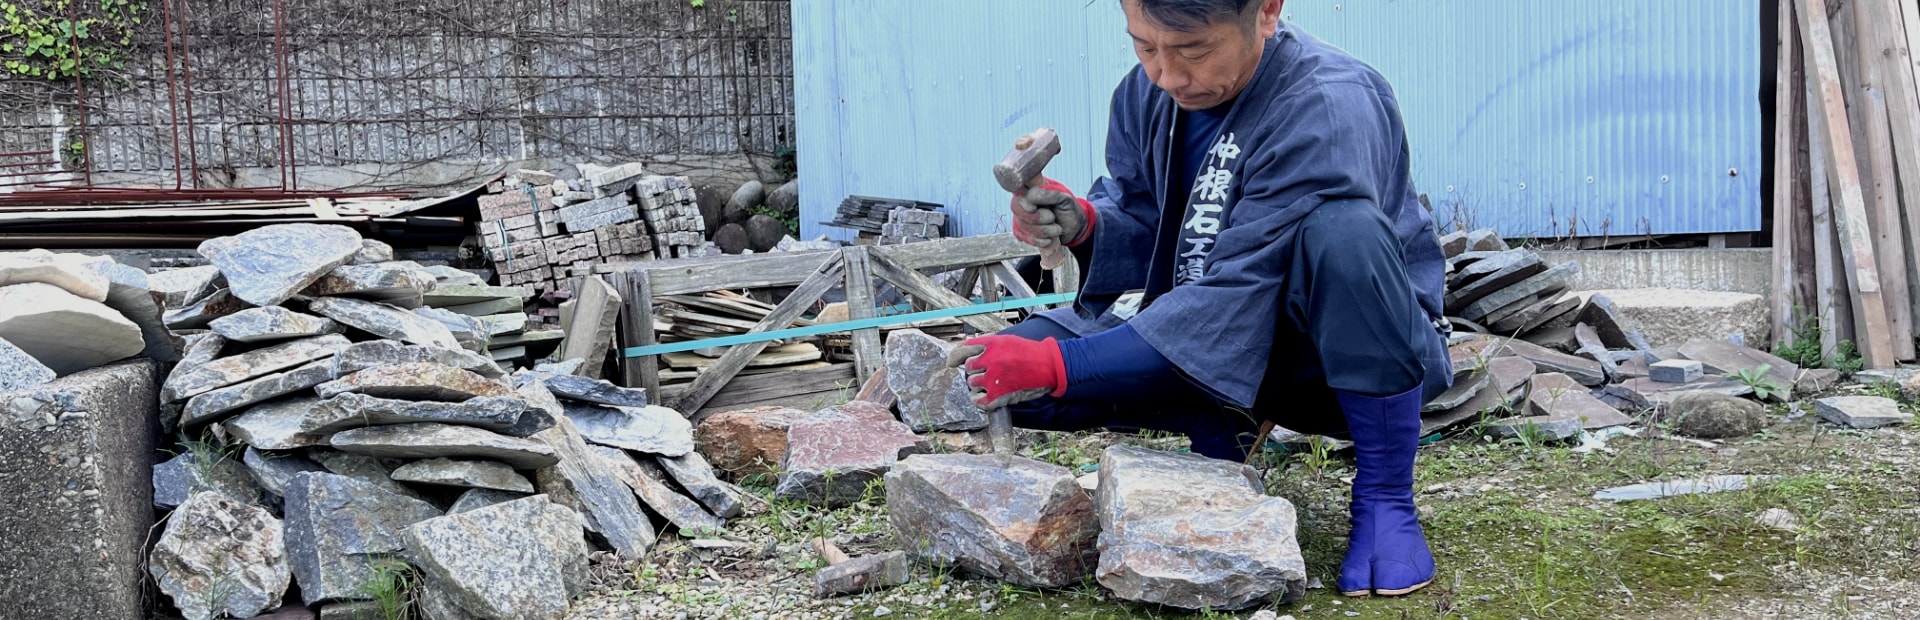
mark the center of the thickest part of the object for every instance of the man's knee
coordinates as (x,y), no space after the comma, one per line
(1348,240)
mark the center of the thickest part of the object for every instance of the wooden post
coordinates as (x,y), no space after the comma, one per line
(1884,43)
(1843,173)
(989,287)
(1785,299)
(1007,275)
(1890,248)
(868,353)
(737,356)
(1830,283)
(636,330)
(927,290)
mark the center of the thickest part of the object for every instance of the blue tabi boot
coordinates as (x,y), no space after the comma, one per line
(1387,552)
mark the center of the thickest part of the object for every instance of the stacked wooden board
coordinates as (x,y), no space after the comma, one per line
(682,318)
(868,214)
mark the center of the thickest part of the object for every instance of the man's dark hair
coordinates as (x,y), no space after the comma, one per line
(1191,15)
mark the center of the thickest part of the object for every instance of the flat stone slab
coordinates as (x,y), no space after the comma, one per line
(1511,373)
(461,554)
(199,314)
(70,272)
(464,473)
(581,480)
(360,467)
(1543,305)
(863,574)
(400,284)
(65,332)
(268,265)
(1552,278)
(653,430)
(428,440)
(386,321)
(1485,402)
(650,483)
(19,370)
(1464,388)
(834,453)
(338,528)
(1861,411)
(1670,317)
(494,413)
(198,471)
(375,353)
(1727,359)
(1554,396)
(179,288)
(596,391)
(227,401)
(1695,486)
(416,381)
(1467,287)
(1646,393)
(475,499)
(472,333)
(1006,517)
(275,470)
(221,558)
(1587,372)
(288,424)
(188,381)
(696,476)
(271,323)
(1186,531)
(458,294)
(931,395)
(1540,428)
(129,294)
(747,442)
(1676,371)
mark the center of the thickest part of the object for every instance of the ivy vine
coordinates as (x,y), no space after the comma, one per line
(39,38)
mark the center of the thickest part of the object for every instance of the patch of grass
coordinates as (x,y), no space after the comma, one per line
(392,589)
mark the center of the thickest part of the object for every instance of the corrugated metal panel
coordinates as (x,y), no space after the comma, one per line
(1583,117)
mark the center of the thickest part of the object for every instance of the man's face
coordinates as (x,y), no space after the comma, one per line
(1208,65)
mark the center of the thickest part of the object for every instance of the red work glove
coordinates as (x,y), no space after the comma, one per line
(1003,370)
(1050,214)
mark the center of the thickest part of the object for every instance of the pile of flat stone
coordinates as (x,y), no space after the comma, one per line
(65,313)
(334,428)
(911,225)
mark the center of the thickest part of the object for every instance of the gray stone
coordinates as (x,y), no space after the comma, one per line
(505,324)
(350,610)
(583,481)
(385,321)
(649,482)
(1487,402)
(416,381)
(1002,516)
(179,288)
(594,391)
(833,454)
(221,558)
(1554,395)
(69,272)
(1552,301)
(1511,373)
(76,460)
(652,429)
(20,371)
(428,440)
(1725,358)
(1589,345)
(731,238)
(740,207)
(1487,276)
(274,471)
(1645,393)
(1676,371)
(1463,389)
(1815,380)
(864,574)
(375,353)
(288,423)
(973,442)
(1586,371)
(542,410)
(462,555)
(1694,486)
(1561,314)
(764,232)
(596,314)
(210,469)
(786,198)
(1539,428)
(454,295)
(489,307)
(1485,240)
(1453,244)
(464,473)
(1861,411)
(1668,317)
(436,604)
(1536,284)
(371,251)
(932,396)
(268,265)
(199,314)
(129,294)
(747,442)
(187,382)
(569,366)
(1617,330)
(224,402)
(1778,519)
(453,276)
(1187,531)
(65,332)
(339,528)
(1873,376)
(1562,339)
(1710,415)
(360,467)
(472,333)
(696,476)
(475,499)
(271,323)
(493,413)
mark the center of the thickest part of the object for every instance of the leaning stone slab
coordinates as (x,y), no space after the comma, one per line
(747,442)
(375,353)
(581,480)
(200,314)
(338,528)
(1464,388)
(76,458)
(188,382)
(471,332)
(129,294)
(1524,289)
(834,453)
(461,555)
(20,371)
(1585,371)
(696,476)
(1861,411)
(400,284)
(271,323)
(653,430)
(427,440)
(65,332)
(385,321)
(69,272)
(201,471)
(221,558)
(594,391)
(179,288)
(649,482)
(416,381)
(268,265)
(1725,358)
(464,473)
(1186,531)
(475,499)
(932,396)
(1554,395)
(225,402)
(1002,516)
(288,423)
(275,470)
(1617,330)
(596,312)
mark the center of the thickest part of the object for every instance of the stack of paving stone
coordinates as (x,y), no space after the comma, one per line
(868,214)
(910,225)
(543,233)
(514,336)
(65,313)
(326,434)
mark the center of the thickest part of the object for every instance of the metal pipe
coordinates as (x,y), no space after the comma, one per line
(80,92)
(173,98)
(186,70)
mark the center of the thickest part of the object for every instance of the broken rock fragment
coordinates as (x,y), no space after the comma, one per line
(416,381)
(427,440)
(199,314)
(400,284)
(268,265)
(1553,396)
(464,473)
(372,251)
(209,469)
(696,476)
(1861,411)
(339,527)
(472,333)
(1006,517)
(69,272)
(271,323)
(747,442)
(275,470)
(654,430)
(375,353)
(834,453)
(179,288)
(519,559)
(581,480)
(65,332)
(932,396)
(189,381)
(221,558)
(355,410)
(649,482)
(385,321)
(20,371)
(594,391)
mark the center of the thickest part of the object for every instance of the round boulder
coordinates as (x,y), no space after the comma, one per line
(785,199)
(732,238)
(1711,415)
(713,203)
(764,232)
(751,194)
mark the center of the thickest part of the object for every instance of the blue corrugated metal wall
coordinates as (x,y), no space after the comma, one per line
(1563,118)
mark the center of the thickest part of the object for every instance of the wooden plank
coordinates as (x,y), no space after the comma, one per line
(989,285)
(1910,27)
(1009,277)
(730,363)
(1843,172)
(1888,82)
(1831,303)
(930,292)
(775,385)
(1884,38)
(1890,248)
(699,275)
(968,281)
(1785,299)
(867,352)
(636,330)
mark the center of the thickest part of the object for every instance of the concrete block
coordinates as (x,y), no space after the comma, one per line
(1675,371)
(1670,317)
(76,467)
(1740,270)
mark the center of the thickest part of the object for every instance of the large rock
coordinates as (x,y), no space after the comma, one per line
(472,333)
(654,430)
(1187,531)
(221,558)
(375,353)
(740,207)
(1720,357)
(187,382)
(400,284)
(1006,517)
(224,402)
(1670,317)
(129,294)
(385,321)
(65,332)
(932,396)
(416,381)
(288,423)
(747,442)
(834,453)
(581,480)
(271,323)
(523,559)
(786,198)
(696,476)
(339,528)
(495,413)
(20,371)
(1709,415)
(1557,396)
(69,272)
(275,470)
(764,232)
(594,391)
(199,314)
(464,473)
(427,440)
(649,482)
(372,251)
(76,459)
(268,265)
(179,288)
(1861,411)
(201,470)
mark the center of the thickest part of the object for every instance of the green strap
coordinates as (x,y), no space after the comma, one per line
(847,326)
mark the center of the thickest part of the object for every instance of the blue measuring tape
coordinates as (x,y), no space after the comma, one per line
(847,326)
